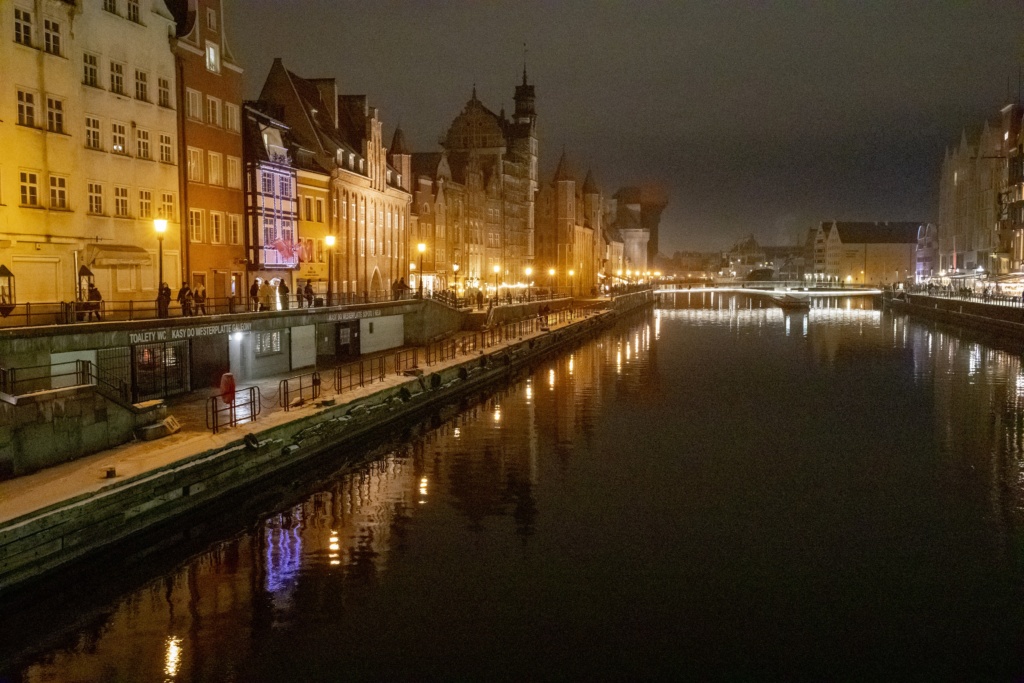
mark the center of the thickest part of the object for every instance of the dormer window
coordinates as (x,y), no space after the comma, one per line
(213,58)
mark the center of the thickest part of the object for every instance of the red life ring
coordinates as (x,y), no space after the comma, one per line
(227,388)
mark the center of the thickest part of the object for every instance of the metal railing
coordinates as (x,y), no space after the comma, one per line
(299,389)
(243,407)
(36,378)
(405,360)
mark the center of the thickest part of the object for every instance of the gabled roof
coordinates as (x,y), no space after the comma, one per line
(562,173)
(589,186)
(858,232)
(398,145)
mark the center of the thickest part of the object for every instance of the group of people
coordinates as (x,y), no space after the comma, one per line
(191,299)
(264,295)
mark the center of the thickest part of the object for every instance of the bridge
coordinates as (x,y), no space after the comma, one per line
(788,295)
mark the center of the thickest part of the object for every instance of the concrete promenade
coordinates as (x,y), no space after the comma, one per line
(30,493)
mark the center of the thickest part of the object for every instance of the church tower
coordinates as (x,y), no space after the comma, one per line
(523,140)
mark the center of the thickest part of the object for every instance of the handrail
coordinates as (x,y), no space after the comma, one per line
(307,389)
(244,407)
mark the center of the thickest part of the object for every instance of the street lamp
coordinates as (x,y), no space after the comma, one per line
(497,269)
(160,226)
(572,285)
(421,247)
(329,241)
(455,269)
(551,275)
(529,272)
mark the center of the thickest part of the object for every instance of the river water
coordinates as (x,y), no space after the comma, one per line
(713,489)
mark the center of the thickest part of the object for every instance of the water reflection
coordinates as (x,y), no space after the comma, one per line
(799,484)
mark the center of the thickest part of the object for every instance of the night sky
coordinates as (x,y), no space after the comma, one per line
(760,118)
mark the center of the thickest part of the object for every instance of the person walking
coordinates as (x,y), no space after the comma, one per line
(199,297)
(163,300)
(308,291)
(95,301)
(266,294)
(254,293)
(185,299)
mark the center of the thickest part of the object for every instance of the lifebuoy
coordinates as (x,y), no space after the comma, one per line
(227,388)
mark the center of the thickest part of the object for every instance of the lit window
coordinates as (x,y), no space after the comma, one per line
(29,188)
(213,58)
(268,343)
(118,139)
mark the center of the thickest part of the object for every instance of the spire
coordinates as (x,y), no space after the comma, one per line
(562,173)
(474,92)
(524,63)
(589,186)
(398,145)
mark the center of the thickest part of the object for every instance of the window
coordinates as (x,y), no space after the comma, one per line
(211,19)
(319,251)
(194,105)
(234,172)
(287,231)
(26,109)
(141,85)
(121,202)
(51,37)
(166,206)
(58,192)
(195,165)
(92,133)
(110,5)
(267,183)
(231,118)
(269,230)
(213,111)
(29,188)
(216,227)
(234,228)
(319,210)
(166,149)
(215,175)
(142,144)
(117,78)
(95,198)
(286,187)
(163,92)
(195,225)
(268,343)
(54,115)
(133,11)
(213,58)
(90,70)
(307,208)
(118,139)
(145,204)
(23,27)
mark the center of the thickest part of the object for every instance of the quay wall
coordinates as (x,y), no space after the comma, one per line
(1006,320)
(58,535)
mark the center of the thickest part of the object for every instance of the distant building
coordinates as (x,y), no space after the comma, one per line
(866,253)
(569,230)
(635,215)
(88,148)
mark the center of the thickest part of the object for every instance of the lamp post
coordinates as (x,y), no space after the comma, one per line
(455,269)
(572,285)
(551,275)
(160,226)
(329,241)
(421,247)
(497,269)
(529,272)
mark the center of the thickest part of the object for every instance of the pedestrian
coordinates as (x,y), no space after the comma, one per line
(283,291)
(308,291)
(480,299)
(254,293)
(95,301)
(163,300)
(185,299)
(266,294)
(199,298)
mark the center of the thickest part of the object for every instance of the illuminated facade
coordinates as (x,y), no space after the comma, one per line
(89,137)
(867,253)
(210,106)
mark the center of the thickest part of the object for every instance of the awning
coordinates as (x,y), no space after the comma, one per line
(116,255)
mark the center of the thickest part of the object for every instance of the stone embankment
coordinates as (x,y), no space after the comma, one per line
(57,535)
(994,318)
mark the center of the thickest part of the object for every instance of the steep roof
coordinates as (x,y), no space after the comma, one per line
(589,186)
(398,145)
(562,173)
(858,232)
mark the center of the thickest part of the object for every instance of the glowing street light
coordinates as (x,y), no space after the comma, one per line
(455,269)
(160,226)
(497,269)
(421,247)
(572,285)
(329,241)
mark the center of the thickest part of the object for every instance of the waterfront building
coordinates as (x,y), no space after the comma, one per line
(1011,196)
(271,203)
(968,228)
(625,214)
(368,208)
(856,252)
(89,136)
(209,97)
(569,229)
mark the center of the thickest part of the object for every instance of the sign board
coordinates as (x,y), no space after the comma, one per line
(176,333)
